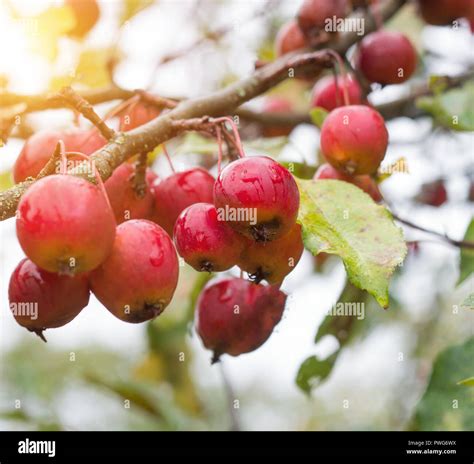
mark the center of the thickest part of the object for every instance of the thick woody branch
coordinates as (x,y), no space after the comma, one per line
(220,103)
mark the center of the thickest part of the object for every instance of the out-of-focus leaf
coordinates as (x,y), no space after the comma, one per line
(453,109)
(341,219)
(448,405)
(466,266)
(93,67)
(130,391)
(468,303)
(300,170)
(399,166)
(469,382)
(44,30)
(133,7)
(313,371)
(337,325)
(6,180)
(266,51)
(318,115)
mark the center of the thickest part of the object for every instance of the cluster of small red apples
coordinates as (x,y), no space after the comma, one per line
(123,244)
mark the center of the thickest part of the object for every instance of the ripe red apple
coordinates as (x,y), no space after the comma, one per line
(433,194)
(126,202)
(444,12)
(354,139)
(277,105)
(86,13)
(65,224)
(205,241)
(364,182)
(289,39)
(39,148)
(272,261)
(313,14)
(138,279)
(386,57)
(327,95)
(41,300)
(262,195)
(137,115)
(235,316)
(177,192)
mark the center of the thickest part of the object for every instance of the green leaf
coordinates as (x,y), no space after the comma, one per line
(468,303)
(300,170)
(6,180)
(467,382)
(447,404)
(313,371)
(466,266)
(339,218)
(318,115)
(453,109)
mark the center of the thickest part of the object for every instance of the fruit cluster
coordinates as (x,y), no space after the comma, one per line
(114,239)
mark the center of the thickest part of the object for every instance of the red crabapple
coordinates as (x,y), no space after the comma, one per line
(327,95)
(313,14)
(86,13)
(126,202)
(177,192)
(272,261)
(262,195)
(41,300)
(65,224)
(39,148)
(277,105)
(354,139)
(205,241)
(364,182)
(444,12)
(138,279)
(289,39)
(235,316)
(386,57)
(137,115)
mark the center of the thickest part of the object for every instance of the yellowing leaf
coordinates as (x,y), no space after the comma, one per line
(132,7)
(92,69)
(49,26)
(339,218)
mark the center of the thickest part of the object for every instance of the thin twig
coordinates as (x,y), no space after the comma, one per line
(81,105)
(445,238)
(230,399)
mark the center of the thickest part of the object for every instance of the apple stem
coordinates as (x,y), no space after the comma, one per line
(168,157)
(63,157)
(342,70)
(236,133)
(219,145)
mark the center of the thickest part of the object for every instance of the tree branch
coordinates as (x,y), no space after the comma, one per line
(220,103)
(404,106)
(457,243)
